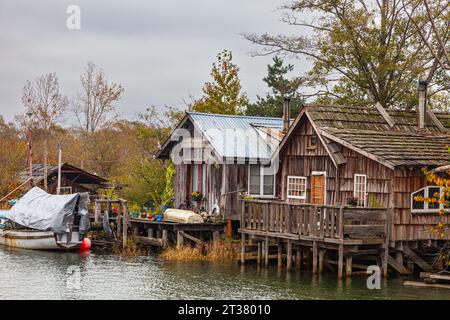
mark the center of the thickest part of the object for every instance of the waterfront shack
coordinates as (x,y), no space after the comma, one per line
(222,156)
(347,181)
(73,179)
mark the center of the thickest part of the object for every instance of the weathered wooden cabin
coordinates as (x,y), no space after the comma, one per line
(73,179)
(348,176)
(222,156)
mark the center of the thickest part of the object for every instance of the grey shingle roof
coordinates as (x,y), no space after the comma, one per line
(364,128)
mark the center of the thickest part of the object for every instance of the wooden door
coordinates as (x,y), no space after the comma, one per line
(318,189)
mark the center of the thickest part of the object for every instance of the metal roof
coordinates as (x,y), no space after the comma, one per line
(67,170)
(234,136)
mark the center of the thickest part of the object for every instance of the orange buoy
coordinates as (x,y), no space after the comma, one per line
(85,244)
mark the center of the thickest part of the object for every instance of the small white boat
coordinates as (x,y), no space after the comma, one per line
(38,240)
(41,221)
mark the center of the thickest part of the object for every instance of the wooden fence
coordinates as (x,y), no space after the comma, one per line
(313,221)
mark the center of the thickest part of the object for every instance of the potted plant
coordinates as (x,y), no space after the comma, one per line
(197,196)
(352,201)
(135,210)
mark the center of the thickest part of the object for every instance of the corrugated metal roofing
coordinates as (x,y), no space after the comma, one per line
(237,136)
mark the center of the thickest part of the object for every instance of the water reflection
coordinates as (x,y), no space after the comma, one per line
(44,275)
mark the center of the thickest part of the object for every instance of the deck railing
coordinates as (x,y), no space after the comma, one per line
(314,221)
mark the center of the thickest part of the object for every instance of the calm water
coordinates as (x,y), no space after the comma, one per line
(43,275)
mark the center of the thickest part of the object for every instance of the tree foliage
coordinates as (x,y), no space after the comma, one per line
(272,104)
(94,106)
(362,51)
(223,95)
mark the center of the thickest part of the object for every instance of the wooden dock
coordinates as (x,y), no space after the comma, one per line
(317,235)
(164,234)
(152,233)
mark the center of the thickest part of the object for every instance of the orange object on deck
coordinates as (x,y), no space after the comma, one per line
(229,229)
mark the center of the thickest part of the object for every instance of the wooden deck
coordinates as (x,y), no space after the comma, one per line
(163,234)
(349,231)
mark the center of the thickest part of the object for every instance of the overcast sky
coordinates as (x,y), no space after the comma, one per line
(160,51)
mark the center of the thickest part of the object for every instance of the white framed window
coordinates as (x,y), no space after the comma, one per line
(260,184)
(65,190)
(296,187)
(360,189)
(419,205)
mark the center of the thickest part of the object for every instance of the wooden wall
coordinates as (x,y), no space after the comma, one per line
(296,159)
(229,185)
(407,225)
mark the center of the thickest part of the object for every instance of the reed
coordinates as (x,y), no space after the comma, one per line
(224,251)
(131,250)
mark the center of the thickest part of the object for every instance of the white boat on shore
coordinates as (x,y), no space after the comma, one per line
(41,221)
(38,240)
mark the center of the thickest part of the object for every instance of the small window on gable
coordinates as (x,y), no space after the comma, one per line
(65,190)
(296,187)
(312,141)
(360,190)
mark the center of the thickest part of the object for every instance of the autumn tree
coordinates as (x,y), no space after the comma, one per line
(94,107)
(272,104)
(362,51)
(223,95)
(145,178)
(45,104)
(12,158)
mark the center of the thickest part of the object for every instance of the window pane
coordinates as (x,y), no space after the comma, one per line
(255,179)
(433,193)
(360,190)
(194,178)
(268,185)
(417,202)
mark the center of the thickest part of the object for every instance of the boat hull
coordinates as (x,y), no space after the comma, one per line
(37,240)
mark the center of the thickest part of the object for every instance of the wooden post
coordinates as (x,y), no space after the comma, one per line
(266,252)
(289,256)
(97,212)
(164,239)
(348,266)
(341,261)
(125,224)
(258,253)
(280,255)
(389,223)
(180,239)
(216,237)
(321,260)
(242,248)
(399,257)
(298,259)
(314,257)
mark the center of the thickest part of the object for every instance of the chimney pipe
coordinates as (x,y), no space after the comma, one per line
(286,113)
(422,90)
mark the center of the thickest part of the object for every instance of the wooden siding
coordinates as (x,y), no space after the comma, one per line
(223,183)
(298,160)
(409,225)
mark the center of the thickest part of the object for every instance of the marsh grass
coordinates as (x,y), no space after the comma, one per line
(131,250)
(224,251)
